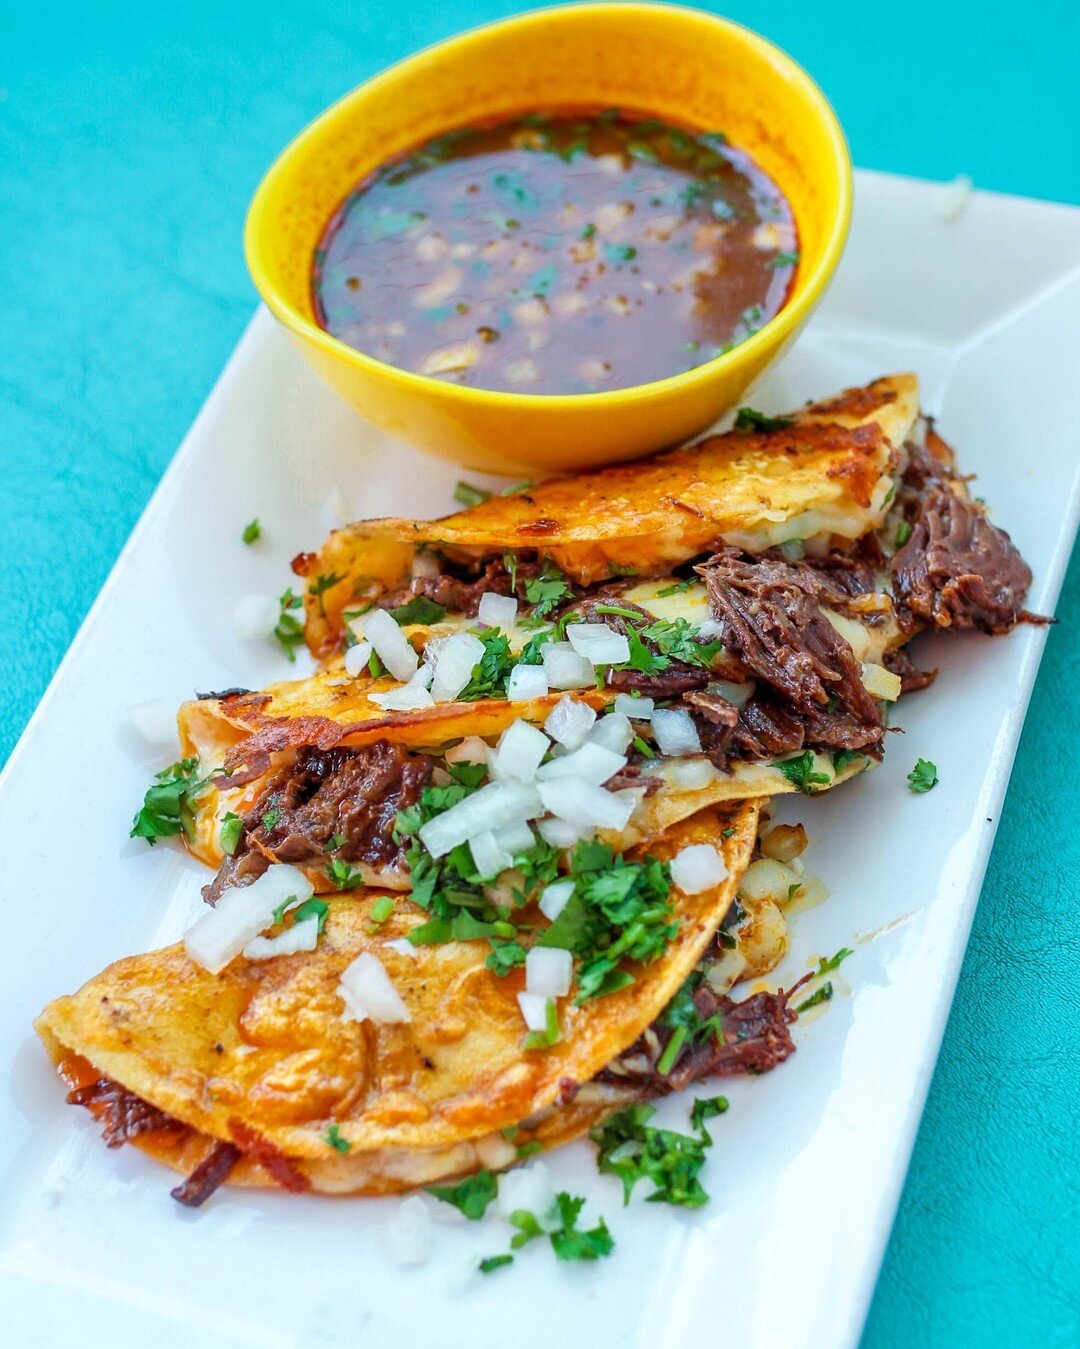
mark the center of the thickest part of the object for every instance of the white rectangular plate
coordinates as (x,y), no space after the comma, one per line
(809,1161)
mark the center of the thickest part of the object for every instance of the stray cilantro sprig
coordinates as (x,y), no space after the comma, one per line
(252,531)
(167,806)
(471,1195)
(749,419)
(321,584)
(923,776)
(232,827)
(802,773)
(289,629)
(560,1226)
(634,1150)
(418,609)
(827,966)
(823,994)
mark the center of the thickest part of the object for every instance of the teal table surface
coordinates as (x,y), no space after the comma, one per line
(131,137)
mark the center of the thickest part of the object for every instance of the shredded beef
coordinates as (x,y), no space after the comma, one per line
(911,678)
(212,1172)
(216,695)
(673,682)
(770,609)
(125,1116)
(716,710)
(956,570)
(755,1039)
(353,793)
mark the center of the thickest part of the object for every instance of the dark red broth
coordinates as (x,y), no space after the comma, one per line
(562,253)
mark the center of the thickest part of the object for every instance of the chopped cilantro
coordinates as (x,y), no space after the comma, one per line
(903,533)
(530,1149)
(344,876)
(321,585)
(833,962)
(842,757)
(675,638)
(312,908)
(289,630)
(619,912)
(823,994)
(546,591)
(232,827)
(471,1195)
(749,419)
(505,956)
(678,588)
(418,609)
(643,747)
(802,773)
(272,816)
(620,252)
(923,776)
(167,806)
(335,842)
(568,1241)
(634,1150)
(492,670)
(333,1139)
(785,259)
(588,230)
(544,1039)
(252,531)
(494,1262)
(707,1107)
(468,495)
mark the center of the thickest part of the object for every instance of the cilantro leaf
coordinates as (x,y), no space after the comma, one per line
(823,994)
(505,956)
(229,835)
(903,533)
(344,876)
(494,1262)
(676,640)
(706,1107)
(546,591)
(252,531)
(544,1039)
(634,1150)
(842,757)
(332,1138)
(312,908)
(272,815)
(833,962)
(471,1195)
(749,419)
(418,609)
(802,773)
(491,671)
(321,585)
(465,494)
(289,630)
(569,1242)
(167,805)
(923,776)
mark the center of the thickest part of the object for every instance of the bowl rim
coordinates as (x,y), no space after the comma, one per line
(771,334)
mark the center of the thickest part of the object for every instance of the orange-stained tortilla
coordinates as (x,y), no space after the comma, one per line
(826,474)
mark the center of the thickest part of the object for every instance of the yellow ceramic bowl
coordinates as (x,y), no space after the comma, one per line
(679,64)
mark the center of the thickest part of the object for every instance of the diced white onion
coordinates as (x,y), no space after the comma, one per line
(951,198)
(712,630)
(403,699)
(613,732)
(697,868)
(589,763)
(637,709)
(357,657)
(425,564)
(527,682)
(519,753)
(599,643)
(424,676)
(408,1233)
(515,838)
(495,1152)
(526,1187)
(565,668)
(555,897)
(581,804)
(533,1010)
(496,804)
(155,722)
(560,833)
(497,611)
(692,774)
(881,683)
(738,695)
(548,970)
(675,731)
(785,842)
(302,936)
(369,994)
(221,933)
(471,750)
(570,721)
(402,946)
(488,857)
(455,659)
(255,616)
(390,643)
